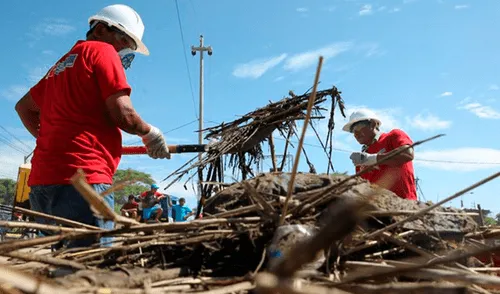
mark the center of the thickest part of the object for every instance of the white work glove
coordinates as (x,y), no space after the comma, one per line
(155,144)
(363,158)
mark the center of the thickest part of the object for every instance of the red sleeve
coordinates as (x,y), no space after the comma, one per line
(143,194)
(158,194)
(109,72)
(399,138)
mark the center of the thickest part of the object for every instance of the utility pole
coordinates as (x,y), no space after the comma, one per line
(201,49)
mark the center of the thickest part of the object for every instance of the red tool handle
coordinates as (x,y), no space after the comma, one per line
(131,150)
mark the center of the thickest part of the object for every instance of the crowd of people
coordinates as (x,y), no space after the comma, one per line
(153,206)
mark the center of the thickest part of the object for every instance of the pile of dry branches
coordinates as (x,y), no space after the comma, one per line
(369,247)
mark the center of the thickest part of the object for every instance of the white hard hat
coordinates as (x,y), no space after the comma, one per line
(127,20)
(360,115)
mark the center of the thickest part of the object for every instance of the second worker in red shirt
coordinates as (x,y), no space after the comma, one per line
(396,173)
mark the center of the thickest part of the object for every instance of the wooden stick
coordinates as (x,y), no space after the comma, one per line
(37,226)
(427,209)
(403,212)
(235,288)
(342,219)
(96,201)
(45,259)
(310,104)
(421,263)
(28,283)
(57,219)
(273,153)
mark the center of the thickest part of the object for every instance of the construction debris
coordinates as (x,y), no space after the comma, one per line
(226,251)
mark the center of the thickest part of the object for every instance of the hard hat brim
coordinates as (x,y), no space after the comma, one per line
(347,126)
(141,47)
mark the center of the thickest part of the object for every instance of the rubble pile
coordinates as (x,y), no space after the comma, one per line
(269,233)
(228,250)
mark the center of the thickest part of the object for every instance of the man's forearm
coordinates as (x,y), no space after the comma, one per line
(30,120)
(397,160)
(133,124)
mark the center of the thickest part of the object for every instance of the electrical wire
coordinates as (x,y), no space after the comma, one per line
(185,57)
(16,138)
(166,132)
(416,159)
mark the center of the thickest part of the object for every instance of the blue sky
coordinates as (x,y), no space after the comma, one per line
(426,67)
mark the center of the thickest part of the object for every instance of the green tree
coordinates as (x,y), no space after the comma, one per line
(489,221)
(134,182)
(7,191)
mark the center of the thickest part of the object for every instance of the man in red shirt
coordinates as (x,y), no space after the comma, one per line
(396,173)
(76,113)
(150,201)
(129,209)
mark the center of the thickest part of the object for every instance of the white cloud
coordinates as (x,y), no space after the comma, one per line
(280,78)
(444,94)
(309,58)
(366,10)
(428,122)
(54,27)
(462,6)
(395,9)
(302,9)
(494,87)
(14,92)
(37,73)
(481,111)
(459,159)
(256,68)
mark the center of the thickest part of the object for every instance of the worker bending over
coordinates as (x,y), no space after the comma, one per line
(377,146)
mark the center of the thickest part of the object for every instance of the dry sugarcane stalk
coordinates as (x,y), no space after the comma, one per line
(267,283)
(57,219)
(406,288)
(380,213)
(235,288)
(273,154)
(419,264)
(37,226)
(96,201)
(310,104)
(28,283)
(427,209)
(123,278)
(430,274)
(44,259)
(343,218)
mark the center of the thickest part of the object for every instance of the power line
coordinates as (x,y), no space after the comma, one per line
(17,139)
(171,130)
(7,142)
(415,159)
(185,57)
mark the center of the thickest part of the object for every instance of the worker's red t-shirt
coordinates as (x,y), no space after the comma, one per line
(403,176)
(129,205)
(76,131)
(157,194)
